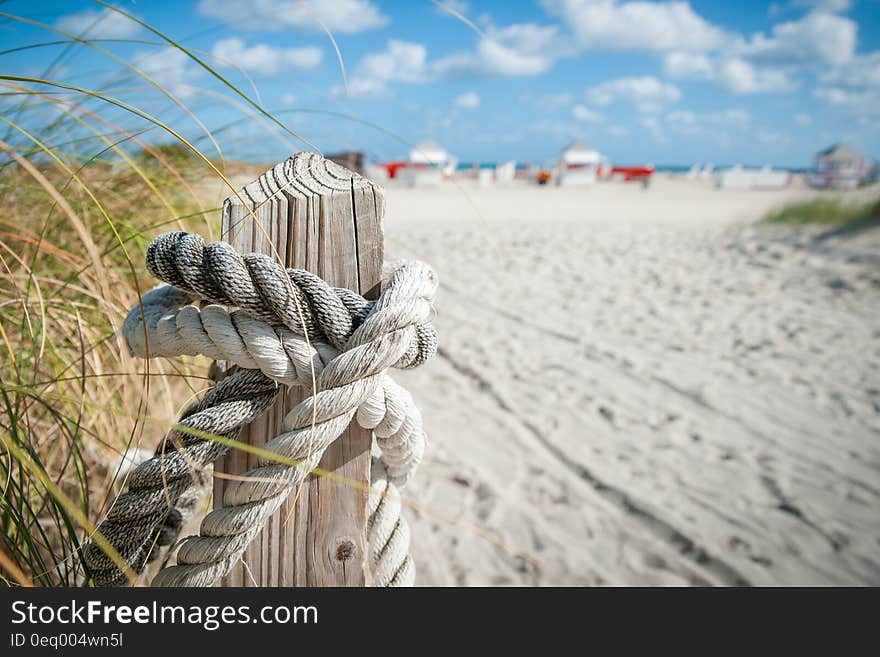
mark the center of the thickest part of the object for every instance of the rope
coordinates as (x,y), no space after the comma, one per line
(388,534)
(169,328)
(351,343)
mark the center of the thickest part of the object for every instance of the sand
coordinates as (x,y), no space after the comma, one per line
(642,388)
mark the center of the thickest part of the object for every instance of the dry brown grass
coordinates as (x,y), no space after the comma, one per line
(73,400)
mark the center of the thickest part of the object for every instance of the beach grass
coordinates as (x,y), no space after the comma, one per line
(88,175)
(836,211)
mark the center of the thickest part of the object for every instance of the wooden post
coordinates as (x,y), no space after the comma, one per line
(318,216)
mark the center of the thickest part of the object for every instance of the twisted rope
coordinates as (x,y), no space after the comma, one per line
(155,487)
(372,336)
(168,328)
(394,332)
(388,534)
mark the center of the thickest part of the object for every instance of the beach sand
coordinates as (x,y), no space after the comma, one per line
(640,387)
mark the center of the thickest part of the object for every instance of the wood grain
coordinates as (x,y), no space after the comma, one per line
(311,214)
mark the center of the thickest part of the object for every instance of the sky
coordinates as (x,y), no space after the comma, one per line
(666,82)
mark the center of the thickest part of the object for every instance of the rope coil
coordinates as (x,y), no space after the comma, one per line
(288,325)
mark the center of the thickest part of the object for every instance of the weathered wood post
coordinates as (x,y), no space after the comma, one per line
(314,215)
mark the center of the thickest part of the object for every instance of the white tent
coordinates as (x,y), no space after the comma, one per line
(580,154)
(431,161)
(739,177)
(505,173)
(578,164)
(429,152)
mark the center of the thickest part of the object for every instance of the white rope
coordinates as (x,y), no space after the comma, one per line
(385,337)
(352,383)
(175,329)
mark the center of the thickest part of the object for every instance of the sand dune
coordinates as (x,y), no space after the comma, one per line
(639,387)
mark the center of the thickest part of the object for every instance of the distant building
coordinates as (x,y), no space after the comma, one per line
(742,178)
(429,152)
(840,167)
(578,165)
(428,163)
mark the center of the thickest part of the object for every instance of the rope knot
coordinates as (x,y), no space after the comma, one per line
(278,326)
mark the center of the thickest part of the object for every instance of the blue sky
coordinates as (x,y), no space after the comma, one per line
(663,82)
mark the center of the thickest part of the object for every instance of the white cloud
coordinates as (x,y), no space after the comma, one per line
(710,126)
(98,24)
(688,65)
(771,137)
(861,71)
(549,128)
(685,123)
(682,117)
(617,131)
(803,119)
(401,61)
(691,46)
(853,86)
(469,100)
(262,59)
(647,94)
(555,101)
(515,50)
(691,122)
(732,117)
(824,5)
(652,125)
(338,16)
(734,74)
(637,26)
(585,114)
(818,37)
(766,63)
(169,67)
(521,49)
(495,57)
(862,102)
(741,77)
(362,88)
(836,96)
